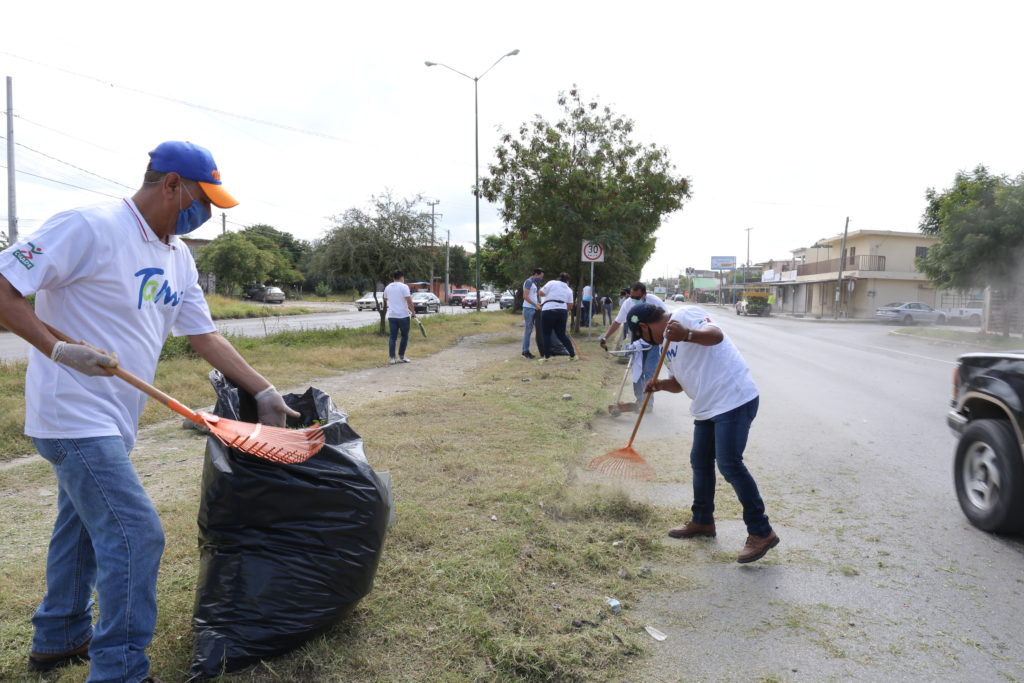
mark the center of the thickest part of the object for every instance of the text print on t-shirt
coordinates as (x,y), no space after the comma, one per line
(150,290)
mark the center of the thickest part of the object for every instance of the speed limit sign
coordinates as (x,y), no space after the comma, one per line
(592,252)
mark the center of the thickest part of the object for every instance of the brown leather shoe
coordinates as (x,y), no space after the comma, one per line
(756,547)
(41,661)
(691,529)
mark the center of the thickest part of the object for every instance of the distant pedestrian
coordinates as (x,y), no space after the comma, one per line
(531,308)
(606,310)
(399,315)
(556,303)
(586,309)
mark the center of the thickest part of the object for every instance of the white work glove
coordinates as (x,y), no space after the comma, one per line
(271,408)
(83,357)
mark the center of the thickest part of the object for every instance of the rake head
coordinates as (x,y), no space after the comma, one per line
(624,463)
(271,443)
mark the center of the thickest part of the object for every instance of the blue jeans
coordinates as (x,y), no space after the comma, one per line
(722,438)
(396,325)
(585,311)
(107,536)
(650,364)
(554,321)
(529,316)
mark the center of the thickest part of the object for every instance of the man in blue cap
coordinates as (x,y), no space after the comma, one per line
(703,362)
(117,276)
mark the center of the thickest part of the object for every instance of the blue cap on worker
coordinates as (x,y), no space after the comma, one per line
(195,163)
(642,313)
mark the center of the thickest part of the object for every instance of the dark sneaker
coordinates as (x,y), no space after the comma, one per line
(528,355)
(756,547)
(692,529)
(151,679)
(39,661)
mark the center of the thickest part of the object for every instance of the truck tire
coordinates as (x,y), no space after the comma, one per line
(940,320)
(989,476)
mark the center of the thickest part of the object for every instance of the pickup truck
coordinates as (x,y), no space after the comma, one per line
(987,415)
(970,313)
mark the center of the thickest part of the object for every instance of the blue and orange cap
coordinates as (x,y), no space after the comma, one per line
(195,163)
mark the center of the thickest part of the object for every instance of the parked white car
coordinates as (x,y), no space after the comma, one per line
(366,302)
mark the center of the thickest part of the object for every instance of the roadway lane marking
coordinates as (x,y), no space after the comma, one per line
(912,355)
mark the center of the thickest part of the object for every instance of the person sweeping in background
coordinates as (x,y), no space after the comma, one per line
(646,358)
(703,362)
(115,275)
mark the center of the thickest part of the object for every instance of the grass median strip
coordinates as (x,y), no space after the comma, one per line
(498,565)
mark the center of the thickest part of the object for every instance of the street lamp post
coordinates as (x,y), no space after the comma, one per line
(476,152)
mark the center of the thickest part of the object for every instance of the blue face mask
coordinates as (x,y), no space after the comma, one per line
(191,218)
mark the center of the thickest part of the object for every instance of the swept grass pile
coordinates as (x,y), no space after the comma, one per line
(499,563)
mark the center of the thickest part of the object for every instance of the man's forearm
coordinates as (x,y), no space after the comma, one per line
(18,316)
(218,352)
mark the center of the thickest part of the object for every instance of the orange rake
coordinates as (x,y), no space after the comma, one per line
(271,443)
(626,463)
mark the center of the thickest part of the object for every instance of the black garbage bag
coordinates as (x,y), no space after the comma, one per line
(286,550)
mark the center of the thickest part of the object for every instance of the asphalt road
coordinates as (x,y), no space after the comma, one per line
(878,576)
(13,347)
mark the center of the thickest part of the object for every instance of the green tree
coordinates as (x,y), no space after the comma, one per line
(289,252)
(391,235)
(236,261)
(979,222)
(582,178)
(460,269)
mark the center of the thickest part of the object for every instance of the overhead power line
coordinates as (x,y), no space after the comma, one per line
(67,163)
(61,182)
(176,100)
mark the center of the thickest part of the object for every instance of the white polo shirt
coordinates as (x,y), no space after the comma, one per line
(716,378)
(629,303)
(101,275)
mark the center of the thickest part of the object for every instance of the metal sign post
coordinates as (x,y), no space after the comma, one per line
(594,253)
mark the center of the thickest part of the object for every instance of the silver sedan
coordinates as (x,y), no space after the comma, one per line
(910,313)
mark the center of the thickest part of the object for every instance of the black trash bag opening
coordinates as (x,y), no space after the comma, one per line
(286,550)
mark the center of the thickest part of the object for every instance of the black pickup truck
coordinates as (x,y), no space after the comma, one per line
(987,414)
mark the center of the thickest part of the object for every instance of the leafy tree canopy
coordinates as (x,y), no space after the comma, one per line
(979,221)
(392,234)
(580,178)
(236,261)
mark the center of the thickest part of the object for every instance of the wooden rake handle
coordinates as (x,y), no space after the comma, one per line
(144,387)
(648,394)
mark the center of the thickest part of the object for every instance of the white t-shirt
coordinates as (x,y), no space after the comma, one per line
(395,294)
(100,274)
(716,378)
(586,296)
(628,303)
(556,295)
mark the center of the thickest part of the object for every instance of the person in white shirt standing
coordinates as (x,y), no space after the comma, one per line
(586,308)
(703,362)
(530,312)
(649,357)
(117,276)
(400,308)
(556,303)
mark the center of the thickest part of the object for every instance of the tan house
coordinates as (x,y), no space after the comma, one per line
(876,268)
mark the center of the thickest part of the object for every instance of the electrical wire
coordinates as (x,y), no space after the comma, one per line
(67,163)
(61,182)
(176,100)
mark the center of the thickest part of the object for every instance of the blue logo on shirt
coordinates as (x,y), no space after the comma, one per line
(151,290)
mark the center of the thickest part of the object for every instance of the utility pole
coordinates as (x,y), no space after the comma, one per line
(432,205)
(447,252)
(12,211)
(748,256)
(839,280)
(223,223)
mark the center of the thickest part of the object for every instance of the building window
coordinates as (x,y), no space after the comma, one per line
(920,252)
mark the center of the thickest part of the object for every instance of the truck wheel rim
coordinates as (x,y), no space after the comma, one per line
(981,478)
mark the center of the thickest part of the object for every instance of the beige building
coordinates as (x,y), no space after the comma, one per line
(876,268)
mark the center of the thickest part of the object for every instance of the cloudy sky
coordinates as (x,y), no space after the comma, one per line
(786,116)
